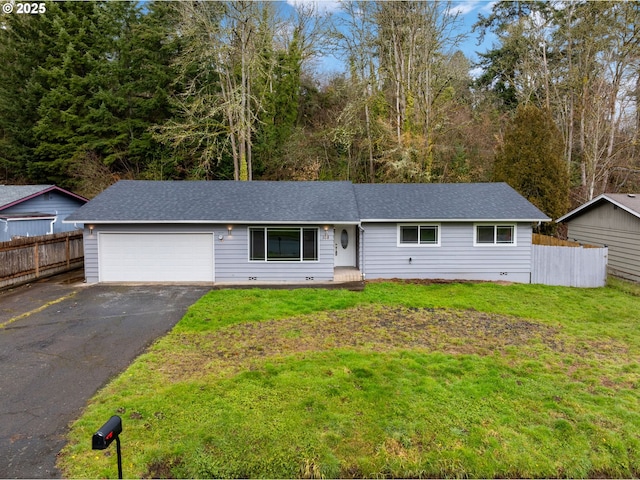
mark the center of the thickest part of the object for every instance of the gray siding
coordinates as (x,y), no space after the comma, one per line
(24,228)
(90,255)
(52,203)
(231,254)
(233,265)
(456,258)
(609,225)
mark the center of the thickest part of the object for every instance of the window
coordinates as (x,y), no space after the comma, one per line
(256,244)
(412,235)
(495,235)
(283,244)
(309,244)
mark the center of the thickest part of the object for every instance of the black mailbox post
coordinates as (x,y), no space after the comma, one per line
(109,432)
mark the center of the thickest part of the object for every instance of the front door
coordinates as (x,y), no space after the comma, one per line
(344,239)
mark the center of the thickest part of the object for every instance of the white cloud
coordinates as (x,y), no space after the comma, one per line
(476,72)
(488,6)
(463,8)
(321,5)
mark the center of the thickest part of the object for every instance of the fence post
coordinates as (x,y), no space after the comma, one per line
(68,251)
(36,256)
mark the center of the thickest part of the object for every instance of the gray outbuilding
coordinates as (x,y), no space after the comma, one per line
(611,220)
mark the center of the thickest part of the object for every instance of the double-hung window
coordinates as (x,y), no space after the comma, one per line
(495,235)
(283,244)
(415,235)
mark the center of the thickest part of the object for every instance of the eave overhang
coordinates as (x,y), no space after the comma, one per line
(599,198)
(52,188)
(454,220)
(210,222)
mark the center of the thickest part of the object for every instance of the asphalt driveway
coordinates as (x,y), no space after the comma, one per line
(60,341)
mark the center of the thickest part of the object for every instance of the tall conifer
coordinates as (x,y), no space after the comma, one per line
(530,160)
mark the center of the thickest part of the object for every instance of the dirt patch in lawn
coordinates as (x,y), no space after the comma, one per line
(370,328)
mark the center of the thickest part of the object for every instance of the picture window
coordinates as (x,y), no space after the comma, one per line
(278,244)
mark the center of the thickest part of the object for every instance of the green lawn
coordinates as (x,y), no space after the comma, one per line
(400,380)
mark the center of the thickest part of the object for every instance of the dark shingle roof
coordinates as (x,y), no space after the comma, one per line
(300,202)
(444,201)
(13,194)
(221,201)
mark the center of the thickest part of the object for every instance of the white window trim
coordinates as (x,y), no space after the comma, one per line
(418,245)
(495,243)
(286,227)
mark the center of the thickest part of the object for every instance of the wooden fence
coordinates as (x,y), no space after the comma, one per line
(26,259)
(569,264)
(538,239)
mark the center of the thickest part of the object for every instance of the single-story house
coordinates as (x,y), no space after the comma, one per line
(612,220)
(262,231)
(32,210)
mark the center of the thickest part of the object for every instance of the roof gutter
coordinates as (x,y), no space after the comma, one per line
(452,220)
(19,219)
(209,222)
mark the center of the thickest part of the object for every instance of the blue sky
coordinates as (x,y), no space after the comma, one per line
(468,11)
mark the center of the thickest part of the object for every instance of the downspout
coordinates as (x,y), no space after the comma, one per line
(531,255)
(362,230)
(50,232)
(6,224)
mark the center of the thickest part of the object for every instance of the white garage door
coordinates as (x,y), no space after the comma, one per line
(156,257)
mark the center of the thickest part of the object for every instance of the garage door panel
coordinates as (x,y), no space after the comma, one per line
(157,257)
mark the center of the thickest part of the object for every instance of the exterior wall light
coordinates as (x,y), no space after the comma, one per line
(91,230)
(229,230)
(326,232)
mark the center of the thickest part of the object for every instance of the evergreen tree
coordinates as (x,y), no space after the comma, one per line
(82,87)
(530,160)
(134,91)
(23,49)
(281,98)
(73,106)
(152,79)
(107,76)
